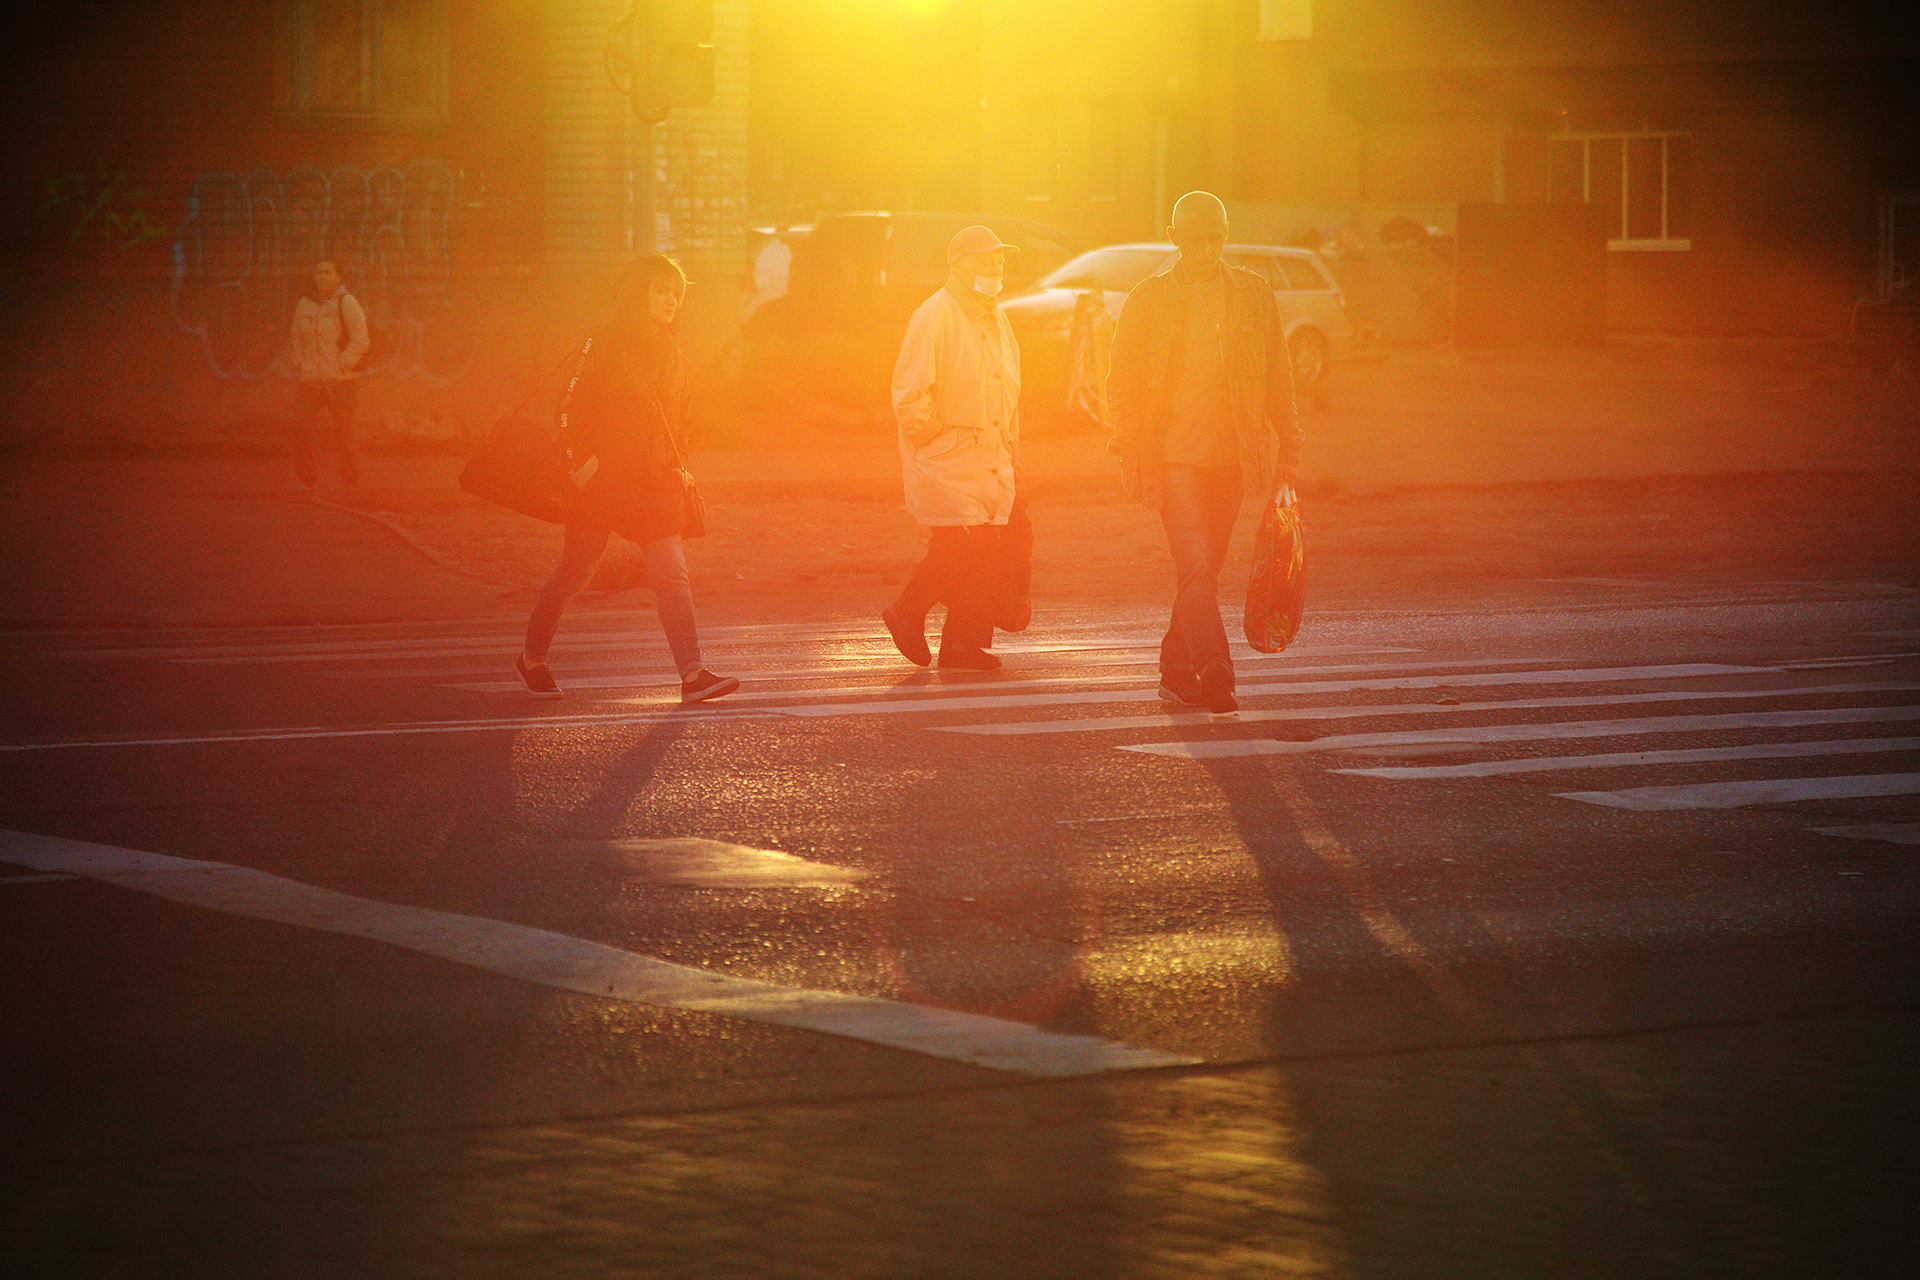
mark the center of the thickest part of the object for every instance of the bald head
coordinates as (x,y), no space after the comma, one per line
(1199,211)
(1199,231)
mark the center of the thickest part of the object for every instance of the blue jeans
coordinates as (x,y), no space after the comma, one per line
(666,571)
(1201,505)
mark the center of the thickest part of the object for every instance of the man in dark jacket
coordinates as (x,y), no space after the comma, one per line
(1201,396)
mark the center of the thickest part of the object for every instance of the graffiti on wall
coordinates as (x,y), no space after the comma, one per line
(248,244)
(101,205)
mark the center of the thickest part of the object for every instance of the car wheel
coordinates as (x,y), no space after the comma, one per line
(1308,351)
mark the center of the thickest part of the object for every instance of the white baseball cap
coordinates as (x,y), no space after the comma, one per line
(975,240)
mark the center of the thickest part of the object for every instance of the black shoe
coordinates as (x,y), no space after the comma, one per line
(703,684)
(967,658)
(1216,687)
(1181,688)
(911,643)
(537,678)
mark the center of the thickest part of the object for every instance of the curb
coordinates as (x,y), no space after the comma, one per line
(399,531)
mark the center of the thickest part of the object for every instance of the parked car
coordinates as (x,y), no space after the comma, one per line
(1312,308)
(852,285)
(1885,334)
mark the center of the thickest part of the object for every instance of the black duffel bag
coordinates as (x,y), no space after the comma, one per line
(523,468)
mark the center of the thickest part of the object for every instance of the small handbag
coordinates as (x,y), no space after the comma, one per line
(1013,579)
(693,522)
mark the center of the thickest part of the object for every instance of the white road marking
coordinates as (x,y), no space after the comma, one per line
(702,711)
(1735,795)
(623,669)
(1890,832)
(1529,732)
(964,698)
(1363,710)
(1627,759)
(589,968)
(687,862)
(891,675)
(731,709)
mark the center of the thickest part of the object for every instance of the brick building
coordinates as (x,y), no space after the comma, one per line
(174,167)
(1758,164)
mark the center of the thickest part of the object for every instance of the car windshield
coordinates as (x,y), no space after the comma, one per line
(1110,270)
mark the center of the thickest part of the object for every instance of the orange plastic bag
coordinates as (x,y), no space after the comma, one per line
(1277,592)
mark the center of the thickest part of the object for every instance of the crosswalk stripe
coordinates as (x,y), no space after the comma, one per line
(1528,732)
(1625,759)
(966,698)
(1364,710)
(589,968)
(702,711)
(1890,832)
(890,675)
(576,667)
(1735,795)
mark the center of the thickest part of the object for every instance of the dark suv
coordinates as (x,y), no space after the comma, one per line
(855,281)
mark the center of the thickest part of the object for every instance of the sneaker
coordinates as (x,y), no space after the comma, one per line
(967,659)
(1181,688)
(911,642)
(1216,688)
(703,684)
(537,678)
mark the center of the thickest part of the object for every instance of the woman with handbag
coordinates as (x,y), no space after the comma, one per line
(624,424)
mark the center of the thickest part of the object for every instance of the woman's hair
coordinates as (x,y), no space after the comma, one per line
(637,281)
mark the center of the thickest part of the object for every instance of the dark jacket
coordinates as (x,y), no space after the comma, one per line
(1147,349)
(628,408)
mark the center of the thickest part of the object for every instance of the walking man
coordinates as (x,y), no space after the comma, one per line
(956,398)
(1201,395)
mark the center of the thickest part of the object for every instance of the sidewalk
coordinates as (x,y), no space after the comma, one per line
(1423,471)
(1777,1149)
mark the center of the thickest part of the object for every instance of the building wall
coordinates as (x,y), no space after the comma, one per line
(1789,158)
(163,199)
(1092,115)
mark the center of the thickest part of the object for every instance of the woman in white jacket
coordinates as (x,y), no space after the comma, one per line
(329,338)
(956,398)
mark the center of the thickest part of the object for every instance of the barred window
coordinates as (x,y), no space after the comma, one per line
(1642,181)
(1040,151)
(1286,20)
(1103,150)
(378,61)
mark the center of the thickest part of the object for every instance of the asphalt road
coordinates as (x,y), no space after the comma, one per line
(1563,933)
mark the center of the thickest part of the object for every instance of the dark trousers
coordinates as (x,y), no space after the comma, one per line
(959,571)
(337,402)
(1201,505)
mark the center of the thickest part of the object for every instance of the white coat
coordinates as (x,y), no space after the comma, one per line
(318,355)
(956,398)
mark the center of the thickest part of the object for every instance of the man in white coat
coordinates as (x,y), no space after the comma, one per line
(956,398)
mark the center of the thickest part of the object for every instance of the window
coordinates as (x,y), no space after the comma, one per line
(1103,151)
(1643,183)
(1040,158)
(1286,20)
(1111,270)
(378,61)
(1258,263)
(1302,274)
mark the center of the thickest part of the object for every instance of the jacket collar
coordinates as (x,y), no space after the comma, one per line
(976,307)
